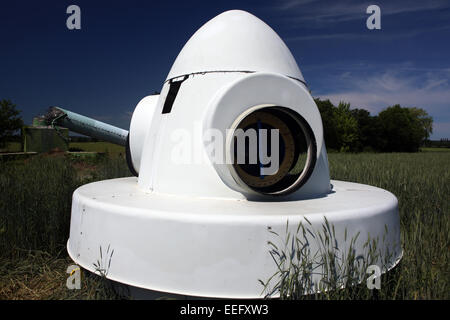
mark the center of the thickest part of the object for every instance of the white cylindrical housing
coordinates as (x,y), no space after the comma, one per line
(139,125)
(209,90)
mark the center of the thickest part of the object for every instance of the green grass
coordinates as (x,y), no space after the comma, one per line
(435,149)
(82,146)
(36,199)
(98,147)
(39,275)
(421,183)
(35,205)
(12,147)
(35,214)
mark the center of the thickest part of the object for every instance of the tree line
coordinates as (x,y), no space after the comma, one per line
(10,121)
(395,129)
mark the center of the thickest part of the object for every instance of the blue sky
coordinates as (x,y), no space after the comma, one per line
(125,49)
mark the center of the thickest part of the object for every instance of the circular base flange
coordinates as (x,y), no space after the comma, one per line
(217,247)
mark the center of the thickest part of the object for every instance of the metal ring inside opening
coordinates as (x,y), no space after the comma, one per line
(280,167)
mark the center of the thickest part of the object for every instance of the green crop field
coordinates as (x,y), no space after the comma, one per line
(35,201)
(97,147)
(76,146)
(12,147)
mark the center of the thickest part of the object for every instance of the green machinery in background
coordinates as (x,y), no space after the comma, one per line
(84,125)
(51,131)
(40,137)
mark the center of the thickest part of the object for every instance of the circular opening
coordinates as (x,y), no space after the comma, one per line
(273,151)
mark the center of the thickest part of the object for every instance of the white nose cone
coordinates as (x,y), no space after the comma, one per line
(235,41)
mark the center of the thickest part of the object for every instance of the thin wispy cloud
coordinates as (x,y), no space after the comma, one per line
(289,4)
(365,36)
(326,12)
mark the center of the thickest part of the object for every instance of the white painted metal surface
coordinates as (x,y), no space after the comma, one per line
(210,247)
(215,99)
(245,94)
(142,116)
(235,41)
(188,227)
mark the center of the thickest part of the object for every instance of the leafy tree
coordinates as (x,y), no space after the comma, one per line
(339,125)
(10,120)
(369,128)
(426,122)
(326,109)
(395,129)
(346,127)
(402,129)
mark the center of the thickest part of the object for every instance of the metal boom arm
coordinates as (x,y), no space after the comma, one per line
(87,126)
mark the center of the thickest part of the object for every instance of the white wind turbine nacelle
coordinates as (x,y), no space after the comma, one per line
(220,75)
(192,225)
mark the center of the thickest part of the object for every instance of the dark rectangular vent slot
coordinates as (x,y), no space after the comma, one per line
(174,86)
